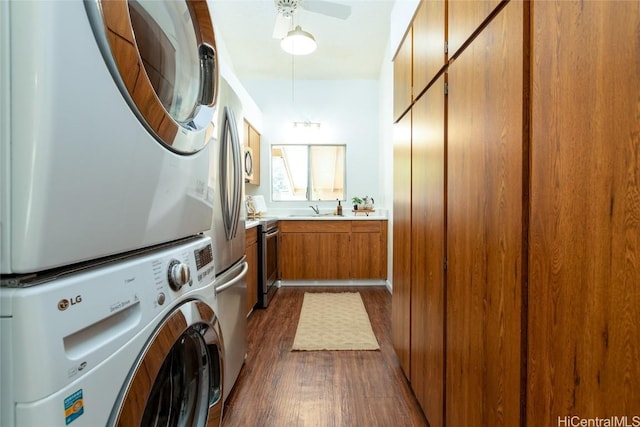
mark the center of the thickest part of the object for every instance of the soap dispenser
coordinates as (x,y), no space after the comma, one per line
(339,209)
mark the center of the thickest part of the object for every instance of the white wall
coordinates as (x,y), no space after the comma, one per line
(250,109)
(348,111)
(401,16)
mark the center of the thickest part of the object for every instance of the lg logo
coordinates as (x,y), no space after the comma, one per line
(63,304)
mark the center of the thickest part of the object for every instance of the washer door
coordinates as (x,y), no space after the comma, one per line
(178,379)
(162,55)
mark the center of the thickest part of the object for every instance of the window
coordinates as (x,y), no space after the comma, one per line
(307,172)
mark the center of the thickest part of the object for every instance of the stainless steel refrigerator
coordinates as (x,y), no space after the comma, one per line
(228,233)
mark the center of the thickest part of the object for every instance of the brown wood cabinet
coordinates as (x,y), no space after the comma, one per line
(402,259)
(427,245)
(464,18)
(402,78)
(252,140)
(428,44)
(252,273)
(314,250)
(484,225)
(584,253)
(333,250)
(368,250)
(541,224)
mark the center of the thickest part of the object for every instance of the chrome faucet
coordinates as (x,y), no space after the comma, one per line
(315,209)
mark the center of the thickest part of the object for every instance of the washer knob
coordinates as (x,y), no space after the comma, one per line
(179,274)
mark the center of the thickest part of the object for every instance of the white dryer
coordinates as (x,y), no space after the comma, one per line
(106,112)
(131,342)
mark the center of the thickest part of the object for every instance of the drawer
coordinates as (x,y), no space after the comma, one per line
(252,236)
(366,226)
(320,226)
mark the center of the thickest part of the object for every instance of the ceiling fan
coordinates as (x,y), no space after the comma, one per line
(286,8)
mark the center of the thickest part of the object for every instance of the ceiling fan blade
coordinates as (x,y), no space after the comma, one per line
(329,8)
(281,26)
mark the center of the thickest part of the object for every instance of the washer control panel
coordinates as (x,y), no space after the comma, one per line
(204,262)
(181,271)
(178,274)
(85,317)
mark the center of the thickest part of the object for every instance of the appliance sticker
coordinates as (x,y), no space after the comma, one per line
(73,406)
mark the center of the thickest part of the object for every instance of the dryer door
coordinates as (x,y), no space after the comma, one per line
(178,378)
(162,55)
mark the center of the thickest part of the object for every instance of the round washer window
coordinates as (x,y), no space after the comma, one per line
(178,379)
(176,398)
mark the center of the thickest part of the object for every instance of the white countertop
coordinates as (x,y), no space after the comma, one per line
(378,215)
(250,223)
(330,217)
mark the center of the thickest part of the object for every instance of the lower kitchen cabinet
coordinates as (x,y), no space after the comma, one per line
(252,273)
(368,250)
(333,250)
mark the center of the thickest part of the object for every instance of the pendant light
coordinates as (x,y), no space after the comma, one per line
(298,42)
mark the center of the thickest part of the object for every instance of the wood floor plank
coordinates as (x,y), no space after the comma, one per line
(278,387)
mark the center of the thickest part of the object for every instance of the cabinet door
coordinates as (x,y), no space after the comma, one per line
(465,17)
(427,243)
(252,276)
(251,239)
(428,43)
(402,78)
(401,300)
(314,256)
(584,252)
(254,143)
(368,250)
(484,226)
(245,133)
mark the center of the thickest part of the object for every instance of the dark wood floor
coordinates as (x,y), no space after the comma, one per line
(278,387)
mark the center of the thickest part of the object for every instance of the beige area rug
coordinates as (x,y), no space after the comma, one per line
(334,321)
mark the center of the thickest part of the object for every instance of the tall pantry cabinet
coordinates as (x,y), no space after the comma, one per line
(584,252)
(419,212)
(524,223)
(484,225)
(427,245)
(401,301)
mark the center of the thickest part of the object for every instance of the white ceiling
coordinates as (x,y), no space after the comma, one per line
(347,49)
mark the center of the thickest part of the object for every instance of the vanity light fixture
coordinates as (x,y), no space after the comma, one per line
(307,125)
(298,42)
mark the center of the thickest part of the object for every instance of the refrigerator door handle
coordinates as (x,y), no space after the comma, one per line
(234,281)
(231,174)
(237,175)
(224,174)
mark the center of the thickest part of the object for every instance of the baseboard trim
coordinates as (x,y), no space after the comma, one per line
(344,283)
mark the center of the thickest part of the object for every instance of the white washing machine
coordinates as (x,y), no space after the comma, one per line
(131,342)
(107,108)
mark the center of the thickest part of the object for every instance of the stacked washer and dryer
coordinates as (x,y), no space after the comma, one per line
(108,299)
